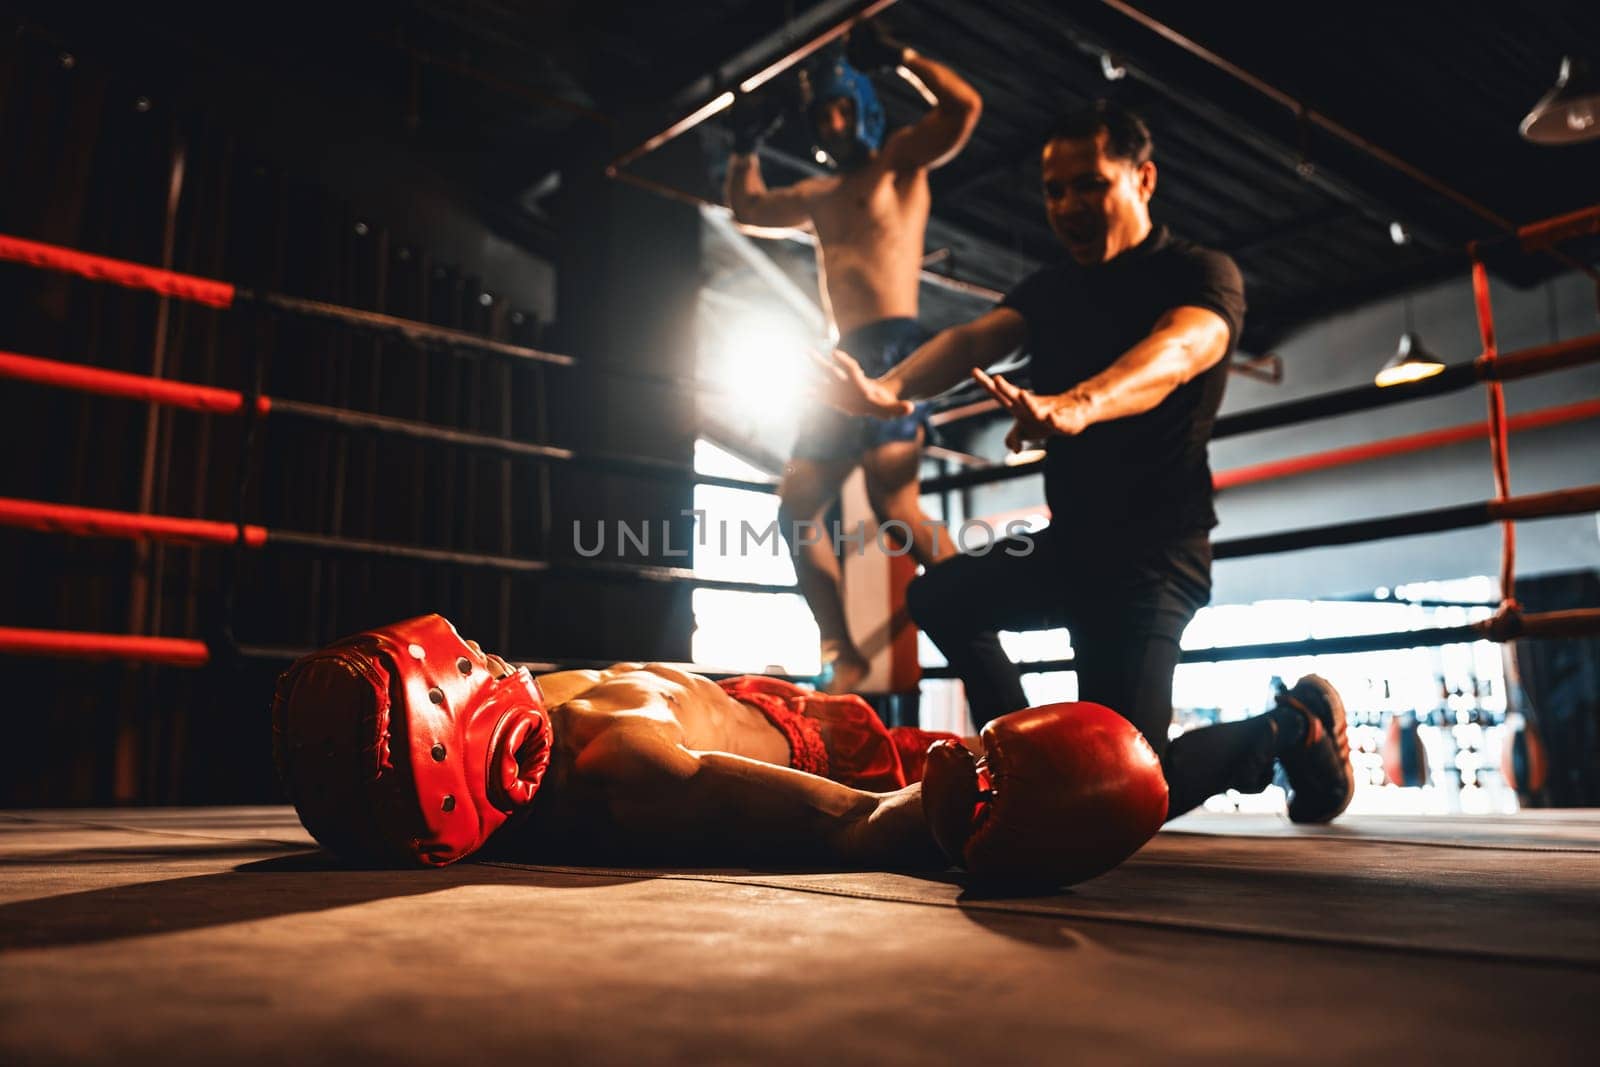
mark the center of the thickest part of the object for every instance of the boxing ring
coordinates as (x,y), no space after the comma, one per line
(199,934)
(222,933)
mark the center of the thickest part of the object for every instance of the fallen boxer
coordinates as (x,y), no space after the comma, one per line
(408,746)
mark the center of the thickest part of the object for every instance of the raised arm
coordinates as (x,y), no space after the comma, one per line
(936,138)
(753,204)
(941,134)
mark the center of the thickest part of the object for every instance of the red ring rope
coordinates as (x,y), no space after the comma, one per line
(1498,434)
(121,384)
(117,271)
(173,651)
(99,522)
(1272,470)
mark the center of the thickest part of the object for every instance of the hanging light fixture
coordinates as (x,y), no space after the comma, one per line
(1411,361)
(1570,112)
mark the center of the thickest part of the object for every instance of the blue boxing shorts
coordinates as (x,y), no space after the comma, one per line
(827,434)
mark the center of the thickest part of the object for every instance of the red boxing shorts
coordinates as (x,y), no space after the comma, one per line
(838,737)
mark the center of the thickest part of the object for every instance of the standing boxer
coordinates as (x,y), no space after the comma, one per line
(869,219)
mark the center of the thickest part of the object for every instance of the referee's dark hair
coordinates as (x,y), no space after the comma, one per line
(1127,137)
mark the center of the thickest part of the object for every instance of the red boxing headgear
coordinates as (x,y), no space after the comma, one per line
(400,745)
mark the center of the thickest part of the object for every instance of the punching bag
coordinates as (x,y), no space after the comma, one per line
(1522,759)
(1405,761)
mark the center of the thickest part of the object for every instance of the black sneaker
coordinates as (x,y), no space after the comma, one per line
(1321,781)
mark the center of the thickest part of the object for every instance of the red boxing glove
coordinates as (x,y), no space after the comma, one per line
(1066,792)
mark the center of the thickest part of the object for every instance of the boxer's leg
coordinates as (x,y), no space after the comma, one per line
(893,451)
(808,488)
(891,473)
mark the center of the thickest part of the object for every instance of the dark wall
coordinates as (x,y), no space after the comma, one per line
(296,199)
(630,270)
(1346,351)
(1561,680)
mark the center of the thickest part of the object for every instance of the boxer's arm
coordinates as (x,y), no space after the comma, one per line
(756,206)
(668,793)
(941,134)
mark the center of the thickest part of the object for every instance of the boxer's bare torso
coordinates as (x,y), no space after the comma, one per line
(649,759)
(870,218)
(658,703)
(870,225)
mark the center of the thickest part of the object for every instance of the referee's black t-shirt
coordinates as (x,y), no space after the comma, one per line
(1144,479)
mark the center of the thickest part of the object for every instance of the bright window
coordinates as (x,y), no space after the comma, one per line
(736,539)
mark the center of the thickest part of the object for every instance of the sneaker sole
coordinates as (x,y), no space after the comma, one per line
(1341,737)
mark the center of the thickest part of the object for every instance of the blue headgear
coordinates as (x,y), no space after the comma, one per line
(839,79)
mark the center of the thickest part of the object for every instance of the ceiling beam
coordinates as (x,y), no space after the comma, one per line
(1230,123)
